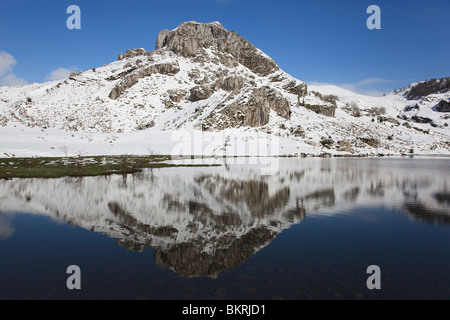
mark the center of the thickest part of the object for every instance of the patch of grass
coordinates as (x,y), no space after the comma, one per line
(327,143)
(53,167)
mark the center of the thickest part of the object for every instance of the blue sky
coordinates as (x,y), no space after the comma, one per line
(315,41)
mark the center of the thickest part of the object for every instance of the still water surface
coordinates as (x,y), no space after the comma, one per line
(308,231)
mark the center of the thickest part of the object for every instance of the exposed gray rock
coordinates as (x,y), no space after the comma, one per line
(189,37)
(122,74)
(325,110)
(200,93)
(231,83)
(276,102)
(422,89)
(133,78)
(443,106)
(161,39)
(374,143)
(258,107)
(297,131)
(388,119)
(252,113)
(176,96)
(345,145)
(421,119)
(73,75)
(406,124)
(146,125)
(132,53)
(411,107)
(298,89)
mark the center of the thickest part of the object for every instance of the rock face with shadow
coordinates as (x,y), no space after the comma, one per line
(187,259)
(443,106)
(189,37)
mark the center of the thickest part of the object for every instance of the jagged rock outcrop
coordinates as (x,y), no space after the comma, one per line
(298,89)
(133,78)
(132,53)
(325,110)
(421,89)
(254,112)
(419,119)
(176,96)
(388,119)
(200,93)
(231,83)
(189,37)
(259,105)
(443,106)
(188,259)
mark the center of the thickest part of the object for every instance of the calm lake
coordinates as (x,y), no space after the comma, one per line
(308,230)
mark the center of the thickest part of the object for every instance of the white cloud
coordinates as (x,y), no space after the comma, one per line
(7,62)
(60,73)
(373,93)
(7,78)
(12,80)
(372,81)
(368,87)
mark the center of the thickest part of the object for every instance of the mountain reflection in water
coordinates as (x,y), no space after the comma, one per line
(201,221)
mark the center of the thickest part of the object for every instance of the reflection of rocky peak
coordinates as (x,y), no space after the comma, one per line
(189,37)
(229,248)
(420,212)
(253,193)
(202,222)
(188,259)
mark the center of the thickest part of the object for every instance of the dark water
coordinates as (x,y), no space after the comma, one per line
(307,231)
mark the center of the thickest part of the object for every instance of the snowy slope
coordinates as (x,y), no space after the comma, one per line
(145,101)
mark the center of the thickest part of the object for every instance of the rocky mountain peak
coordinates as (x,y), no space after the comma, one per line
(189,38)
(421,89)
(203,77)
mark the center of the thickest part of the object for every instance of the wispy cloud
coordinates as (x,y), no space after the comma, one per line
(369,86)
(7,62)
(363,85)
(12,80)
(61,73)
(7,78)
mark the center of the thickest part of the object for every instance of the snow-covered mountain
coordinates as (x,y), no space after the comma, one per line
(203,78)
(422,89)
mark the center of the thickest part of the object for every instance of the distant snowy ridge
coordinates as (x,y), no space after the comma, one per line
(421,89)
(203,78)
